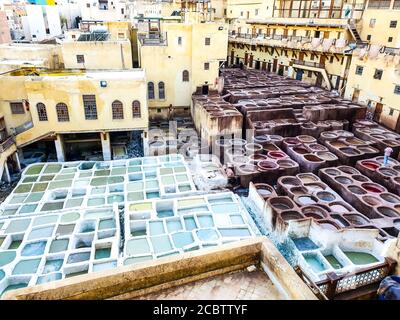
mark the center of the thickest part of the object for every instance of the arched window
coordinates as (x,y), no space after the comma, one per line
(161,90)
(117,110)
(150,90)
(185,76)
(62,112)
(41,110)
(136,109)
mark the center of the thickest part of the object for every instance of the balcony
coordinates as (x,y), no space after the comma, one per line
(154,39)
(294,42)
(6,144)
(22,128)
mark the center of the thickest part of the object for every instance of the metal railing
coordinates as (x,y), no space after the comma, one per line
(6,144)
(154,40)
(310,64)
(22,128)
(339,284)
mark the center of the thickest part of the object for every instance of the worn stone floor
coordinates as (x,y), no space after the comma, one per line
(241,285)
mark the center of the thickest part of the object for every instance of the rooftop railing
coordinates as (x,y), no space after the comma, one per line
(154,40)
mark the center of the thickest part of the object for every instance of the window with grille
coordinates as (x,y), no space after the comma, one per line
(136,109)
(179,41)
(390,39)
(117,110)
(369,37)
(391,112)
(397,89)
(80,58)
(372,23)
(17,108)
(89,105)
(206,66)
(62,112)
(207,41)
(378,74)
(393,24)
(359,70)
(150,90)
(161,90)
(41,110)
(185,76)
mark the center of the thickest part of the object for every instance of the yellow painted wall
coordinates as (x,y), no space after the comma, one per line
(374,90)
(239,9)
(69,90)
(25,52)
(166,63)
(381,32)
(98,54)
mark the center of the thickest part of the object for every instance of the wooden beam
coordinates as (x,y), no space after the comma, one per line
(319,8)
(336,56)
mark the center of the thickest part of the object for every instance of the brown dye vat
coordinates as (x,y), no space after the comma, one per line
(270,147)
(300,150)
(313,158)
(297,191)
(354,141)
(291,215)
(266,165)
(306,139)
(338,144)
(317,147)
(314,211)
(368,149)
(292,141)
(257,157)
(371,201)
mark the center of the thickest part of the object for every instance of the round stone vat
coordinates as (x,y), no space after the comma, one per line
(247,168)
(240,159)
(300,150)
(238,142)
(390,197)
(261,139)
(339,207)
(317,147)
(306,200)
(373,187)
(356,190)
(314,212)
(281,203)
(332,172)
(371,201)
(367,149)
(306,177)
(340,220)
(350,151)
(343,180)
(328,135)
(326,196)
(291,141)
(359,178)
(388,212)
(388,172)
(264,190)
(315,186)
(277,154)
(348,170)
(326,155)
(291,215)
(297,191)
(290,182)
(286,163)
(253,148)
(312,158)
(356,219)
(329,225)
(258,157)
(306,139)
(266,165)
